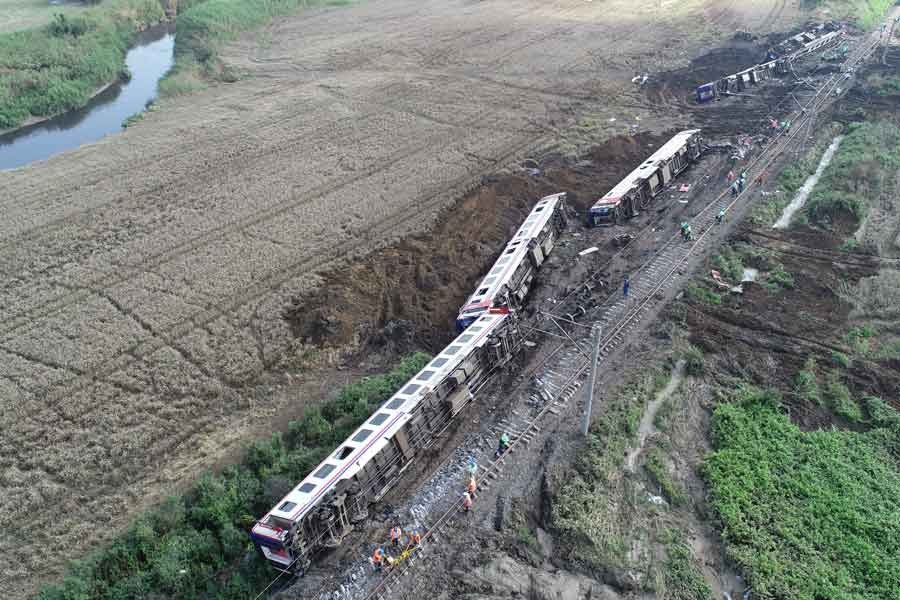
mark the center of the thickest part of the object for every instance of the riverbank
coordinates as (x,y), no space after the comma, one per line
(53,69)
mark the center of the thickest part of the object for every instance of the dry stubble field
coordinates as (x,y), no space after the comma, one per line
(144,277)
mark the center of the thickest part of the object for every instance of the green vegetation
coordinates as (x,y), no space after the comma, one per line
(204,27)
(838,399)
(867,13)
(582,510)
(862,170)
(807,515)
(683,579)
(659,473)
(806,383)
(765,212)
(860,339)
(840,359)
(777,279)
(730,263)
(59,66)
(693,360)
(526,537)
(197,545)
(702,294)
(884,86)
(663,415)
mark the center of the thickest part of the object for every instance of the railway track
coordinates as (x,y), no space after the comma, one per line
(560,375)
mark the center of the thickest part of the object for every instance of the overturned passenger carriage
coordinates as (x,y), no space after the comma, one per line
(634,193)
(323,508)
(507,283)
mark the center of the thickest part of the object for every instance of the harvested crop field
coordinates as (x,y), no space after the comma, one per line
(147,279)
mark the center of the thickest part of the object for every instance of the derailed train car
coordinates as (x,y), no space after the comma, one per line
(510,278)
(637,190)
(324,507)
(778,60)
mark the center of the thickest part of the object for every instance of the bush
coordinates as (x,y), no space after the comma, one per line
(693,361)
(778,279)
(174,550)
(682,576)
(730,263)
(838,398)
(806,384)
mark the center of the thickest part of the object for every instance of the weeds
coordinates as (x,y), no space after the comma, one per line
(702,294)
(659,473)
(840,359)
(837,396)
(806,383)
(729,262)
(663,415)
(197,545)
(693,361)
(682,576)
(778,279)
(805,514)
(860,339)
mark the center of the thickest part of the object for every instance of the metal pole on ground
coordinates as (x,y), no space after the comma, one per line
(597,333)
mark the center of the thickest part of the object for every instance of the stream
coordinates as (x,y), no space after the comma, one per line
(148,61)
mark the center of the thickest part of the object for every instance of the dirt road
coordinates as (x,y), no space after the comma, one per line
(145,277)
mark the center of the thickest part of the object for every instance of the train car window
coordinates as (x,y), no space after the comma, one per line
(490,280)
(411,389)
(465,338)
(306,488)
(363,434)
(511,250)
(344,452)
(503,260)
(287,506)
(379,419)
(438,363)
(425,375)
(475,329)
(323,472)
(395,403)
(451,350)
(482,291)
(539,209)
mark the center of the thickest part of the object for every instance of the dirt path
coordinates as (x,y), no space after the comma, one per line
(145,276)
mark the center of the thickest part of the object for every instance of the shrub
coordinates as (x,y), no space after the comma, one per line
(840,359)
(778,279)
(693,361)
(730,263)
(839,400)
(682,576)
(806,384)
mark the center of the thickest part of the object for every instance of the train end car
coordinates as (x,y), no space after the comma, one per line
(323,508)
(635,192)
(510,278)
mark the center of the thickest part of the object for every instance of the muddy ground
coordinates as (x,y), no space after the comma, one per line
(158,285)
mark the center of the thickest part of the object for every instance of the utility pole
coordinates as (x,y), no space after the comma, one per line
(597,332)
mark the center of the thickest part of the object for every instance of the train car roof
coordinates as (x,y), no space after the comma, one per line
(649,166)
(514,252)
(370,437)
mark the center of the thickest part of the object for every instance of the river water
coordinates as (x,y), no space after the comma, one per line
(148,61)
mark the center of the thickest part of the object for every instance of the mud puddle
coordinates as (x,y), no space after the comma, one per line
(806,189)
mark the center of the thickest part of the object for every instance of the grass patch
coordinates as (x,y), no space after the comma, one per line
(185,77)
(58,67)
(581,511)
(807,515)
(866,13)
(862,169)
(664,414)
(860,339)
(884,86)
(778,279)
(655,465)
(789,181)
(526,537)
(840,359)
(682,576)
(197,545)
(28,14)
(806,383)
(730,263)
(702,294)
(204,27)
(838,399)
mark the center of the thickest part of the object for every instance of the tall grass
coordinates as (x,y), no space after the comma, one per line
(197,545)
(58,67)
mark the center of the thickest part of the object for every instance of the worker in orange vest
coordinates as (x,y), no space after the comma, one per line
(395,534)
(378,559)
(472,487)
(467,502)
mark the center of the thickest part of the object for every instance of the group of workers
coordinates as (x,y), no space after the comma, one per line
(380,558)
